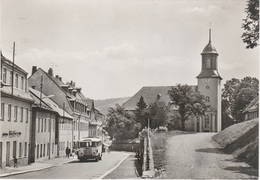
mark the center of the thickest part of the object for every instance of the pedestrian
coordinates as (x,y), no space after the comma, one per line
(108,149)
(15,162)
(67,152)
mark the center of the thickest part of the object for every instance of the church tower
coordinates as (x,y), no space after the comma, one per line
(209,84)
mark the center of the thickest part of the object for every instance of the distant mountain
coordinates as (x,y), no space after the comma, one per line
(104,105)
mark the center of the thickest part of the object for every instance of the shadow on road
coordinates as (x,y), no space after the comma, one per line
(211,150)
(87,161)
(244,170)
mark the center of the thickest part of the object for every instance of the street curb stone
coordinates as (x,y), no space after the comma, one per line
(33,170)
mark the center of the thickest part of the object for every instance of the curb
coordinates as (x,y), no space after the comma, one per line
(32,170)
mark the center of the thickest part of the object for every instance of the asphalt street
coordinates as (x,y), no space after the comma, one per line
(78,170)
(197,156)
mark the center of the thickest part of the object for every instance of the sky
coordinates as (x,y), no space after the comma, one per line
(112,48)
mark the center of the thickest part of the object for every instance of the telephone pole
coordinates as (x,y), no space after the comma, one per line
(13,70)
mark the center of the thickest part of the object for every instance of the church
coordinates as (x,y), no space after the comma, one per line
(209,84)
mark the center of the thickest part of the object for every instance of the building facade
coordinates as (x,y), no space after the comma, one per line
(15,122)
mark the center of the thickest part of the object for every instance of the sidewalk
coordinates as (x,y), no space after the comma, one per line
(129,169)
(39,165)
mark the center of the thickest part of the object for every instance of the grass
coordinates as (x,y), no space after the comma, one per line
(159,143)
(241,140)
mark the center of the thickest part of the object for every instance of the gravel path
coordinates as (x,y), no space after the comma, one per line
(195,156)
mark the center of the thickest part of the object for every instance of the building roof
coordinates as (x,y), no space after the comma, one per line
(47,101)
(209,73)
(253,106)
(209,49)
(16,93)
(10,63)
(150,95)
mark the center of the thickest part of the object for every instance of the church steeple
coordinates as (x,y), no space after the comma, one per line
(209,61)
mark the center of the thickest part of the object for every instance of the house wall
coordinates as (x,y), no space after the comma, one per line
(14,131)
(45,147)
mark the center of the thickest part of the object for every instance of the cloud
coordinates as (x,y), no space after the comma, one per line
(122,51)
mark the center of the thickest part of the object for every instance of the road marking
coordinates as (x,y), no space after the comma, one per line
(109,171)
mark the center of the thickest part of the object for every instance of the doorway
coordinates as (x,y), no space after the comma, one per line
(1,154)
(8,153)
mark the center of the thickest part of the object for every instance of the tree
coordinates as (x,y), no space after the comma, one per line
(188,102)
(227,94)
(237,94)
(158,114)
(141,113)
(244,93)
(251,24)
(120,125)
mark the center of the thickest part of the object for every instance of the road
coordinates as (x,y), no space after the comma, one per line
(78,170)
(197,156)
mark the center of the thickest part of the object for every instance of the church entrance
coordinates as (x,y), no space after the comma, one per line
(206,124)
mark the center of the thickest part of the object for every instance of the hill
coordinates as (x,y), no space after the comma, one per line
(241,140)
(104,105)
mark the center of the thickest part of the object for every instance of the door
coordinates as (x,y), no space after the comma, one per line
(1,154)
(8,153)
(206,127)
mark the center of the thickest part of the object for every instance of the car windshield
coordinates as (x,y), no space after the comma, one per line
(88,144)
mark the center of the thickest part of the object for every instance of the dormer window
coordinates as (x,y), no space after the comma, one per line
(16,80)
(22,83)
(4,75)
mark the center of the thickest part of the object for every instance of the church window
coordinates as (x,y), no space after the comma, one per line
(207,98)
(208,63)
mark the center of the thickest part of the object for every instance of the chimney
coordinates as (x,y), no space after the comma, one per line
(50,72)
(34,69)
(60,78)
(57,76)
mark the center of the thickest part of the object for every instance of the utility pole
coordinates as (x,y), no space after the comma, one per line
(13,70)
(41,91)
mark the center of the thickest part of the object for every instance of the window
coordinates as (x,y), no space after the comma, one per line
(21,114)
(14,149)
(9,112)
(15,114)
(25,149)
(43,150)
(207,99)
(16,80)
(11,77)
(49,125)
(39,124)
(2,111)
(4,75)
(27,115)
(53,125)
(44,126)
(22,83)
(208,63)
(20,149)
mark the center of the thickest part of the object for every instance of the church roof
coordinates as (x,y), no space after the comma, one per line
(150,95)
(209,49)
